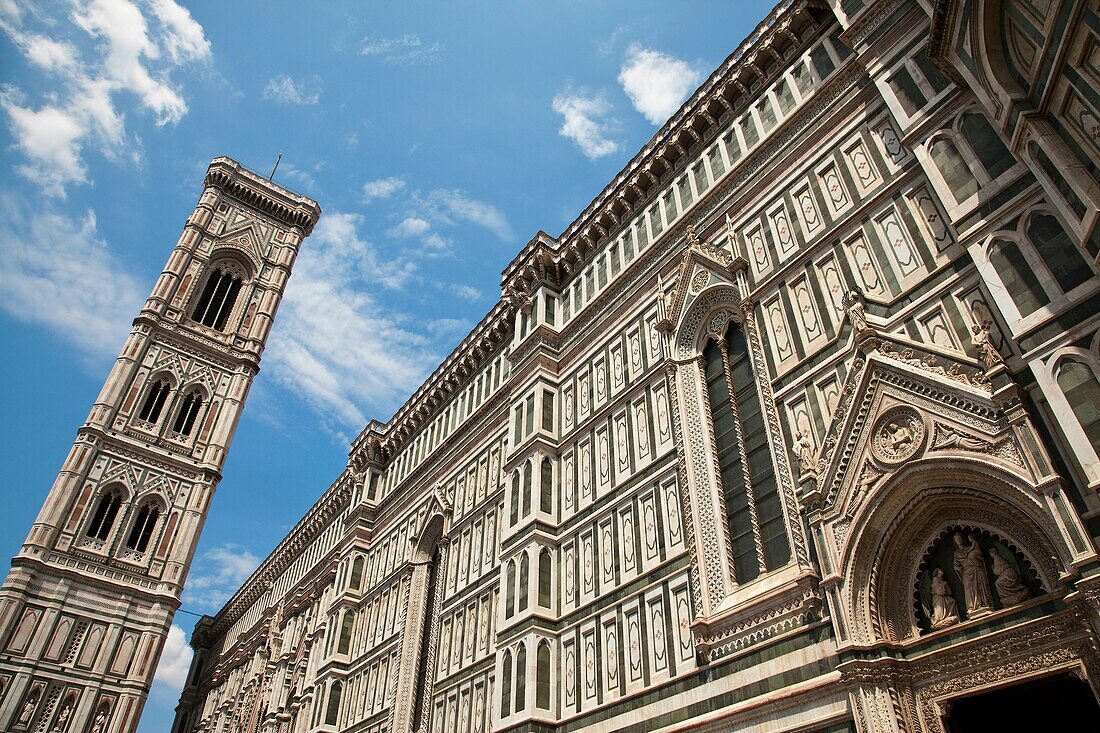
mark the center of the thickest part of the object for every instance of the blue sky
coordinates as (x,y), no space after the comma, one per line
(437,137)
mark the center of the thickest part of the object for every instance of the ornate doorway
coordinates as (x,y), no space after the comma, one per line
(1060,704)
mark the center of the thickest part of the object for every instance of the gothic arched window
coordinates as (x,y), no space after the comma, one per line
(1017,276)
(147,516)
(542,676)
(1058,252)
(154,400)
(526,488)
(218,297)
(986,144)
(357,572)
(506,684)
(332,714)
(346,628)
(545,577)
(1082,390)
(521,676)
(546,498)
(510,589)
(515,497)
(952,166)
(189,410)
(753,509)
(524,576)
(104,518)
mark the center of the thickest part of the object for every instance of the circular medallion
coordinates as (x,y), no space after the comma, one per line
(699,281)
(898,435)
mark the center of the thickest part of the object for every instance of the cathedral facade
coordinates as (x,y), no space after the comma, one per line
(795,428)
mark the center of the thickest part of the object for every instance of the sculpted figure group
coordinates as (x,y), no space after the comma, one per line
(969,565)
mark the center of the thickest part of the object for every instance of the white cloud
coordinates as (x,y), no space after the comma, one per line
(381,188)
(586,122)
(657,83)
(336,346)
(284,90)
(449,204)
(121,51)
(411,226)
(57,272)
(216,575)
(467,293)
(404,50)
(175,661)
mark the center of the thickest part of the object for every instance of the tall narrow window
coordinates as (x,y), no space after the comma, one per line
(189,410)
(954,169)
(154,401)
(545,577)
(546,487)
(357,573)
(143,528)
(521,677)
(526,488)
(515,497)
(1058,251)
(218,297)
(346,628)
(524,580)
(332,714)
(104,517)
(506,684)
(1017,276)
(753,508)
(1082,390)
(986,144)
(542,676)
(510,589)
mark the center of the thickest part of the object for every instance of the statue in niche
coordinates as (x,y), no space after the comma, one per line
(804,450)
(62,722)
(987,352)
(970,565)
(853,304)
(939,604)
(28,707)
(99,725)
(1009,587)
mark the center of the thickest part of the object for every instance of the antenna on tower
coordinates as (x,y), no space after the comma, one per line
(272,176)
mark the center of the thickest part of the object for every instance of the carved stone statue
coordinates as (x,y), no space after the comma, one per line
(970,565)
(1009,587)
(804,450)
(28,709)
(853,304)
(900,436)
(987,352)
(99,725)
(945,612)
(62,723)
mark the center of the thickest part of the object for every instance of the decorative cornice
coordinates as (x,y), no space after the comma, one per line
(262,194)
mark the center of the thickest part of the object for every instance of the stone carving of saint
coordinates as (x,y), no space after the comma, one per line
(99,725)
(853,303)
(899,436)
(28,709)
(970,565)
(945,612)
(987,352)
(1009,587)
(804,451)
(62,722)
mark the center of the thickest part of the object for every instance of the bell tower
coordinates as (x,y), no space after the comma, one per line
(91,595)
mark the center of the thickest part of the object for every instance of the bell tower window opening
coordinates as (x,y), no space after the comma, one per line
(218,298)
(753,509)
(189,410)
(104,517)
(154,401)
(143,528)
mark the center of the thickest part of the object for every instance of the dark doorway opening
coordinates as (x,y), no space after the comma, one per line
(1059,704)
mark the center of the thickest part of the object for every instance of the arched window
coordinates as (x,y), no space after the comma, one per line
(189,410)
(986,144)
(546,485)
(104,518)
(545,577)
(143,528)
(346,628)
(521,677)
(506,684)
(542,676)
(749,486)
(218,297)
(952,166)
(510,589)
(526,488)
(524,579)
(1058,251)
(1082,390)
(357,572)
(515,497)
(154,400)
(1017,276)
(332,714)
